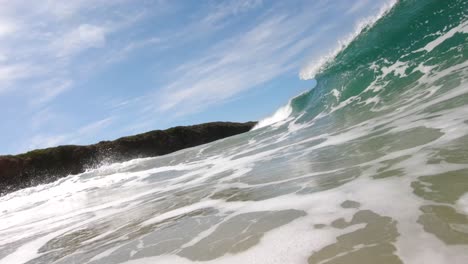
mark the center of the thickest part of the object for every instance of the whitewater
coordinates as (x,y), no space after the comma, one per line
(369,166)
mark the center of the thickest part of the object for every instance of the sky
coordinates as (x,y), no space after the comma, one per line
(81,71)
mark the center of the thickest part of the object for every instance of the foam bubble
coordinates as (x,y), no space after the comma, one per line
(462,203)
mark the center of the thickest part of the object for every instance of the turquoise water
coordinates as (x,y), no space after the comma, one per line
(370,166)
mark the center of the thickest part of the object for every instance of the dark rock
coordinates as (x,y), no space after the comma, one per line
(46,165)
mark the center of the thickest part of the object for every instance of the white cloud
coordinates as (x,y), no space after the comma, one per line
(43,141)
(42,117)
(41,40)
(358,5)
(224,10)
(10,73)
(50,89)
(64,9)
(123,52)
(3,58)
(94,127)
(45,51)
(83,37)
(52,140)
(6,28)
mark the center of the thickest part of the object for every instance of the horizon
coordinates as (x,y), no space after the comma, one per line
(96,70)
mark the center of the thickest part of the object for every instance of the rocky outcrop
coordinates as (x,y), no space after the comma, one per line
(46,165)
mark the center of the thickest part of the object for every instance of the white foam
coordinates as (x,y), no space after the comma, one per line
(336,94)
(398,68)
(462,203)
(462,28)
(280,115)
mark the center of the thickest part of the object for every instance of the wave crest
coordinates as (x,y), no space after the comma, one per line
(315,66)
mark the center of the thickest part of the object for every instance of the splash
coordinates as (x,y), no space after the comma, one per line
(279,116)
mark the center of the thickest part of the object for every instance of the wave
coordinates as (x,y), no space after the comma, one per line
(297,103)
(316,65)
(370,65)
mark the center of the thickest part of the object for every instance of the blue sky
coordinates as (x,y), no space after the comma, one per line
(80,71)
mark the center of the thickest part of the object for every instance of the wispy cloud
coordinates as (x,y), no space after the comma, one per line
(41,40)
(6,28)
(48,48)
(43,141)
(121,53)
(94,127)
(49,140)
(41,118)
(83,37)
(359,4)
(12,72)
(50,89)
(240,63)
(224,10)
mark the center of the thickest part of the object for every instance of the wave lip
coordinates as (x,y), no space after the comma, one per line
(315,66)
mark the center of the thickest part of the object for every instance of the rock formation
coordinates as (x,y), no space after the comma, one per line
(47,165)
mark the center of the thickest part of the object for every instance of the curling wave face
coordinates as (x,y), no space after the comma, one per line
(370,166)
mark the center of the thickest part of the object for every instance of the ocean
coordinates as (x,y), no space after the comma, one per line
(369,166)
